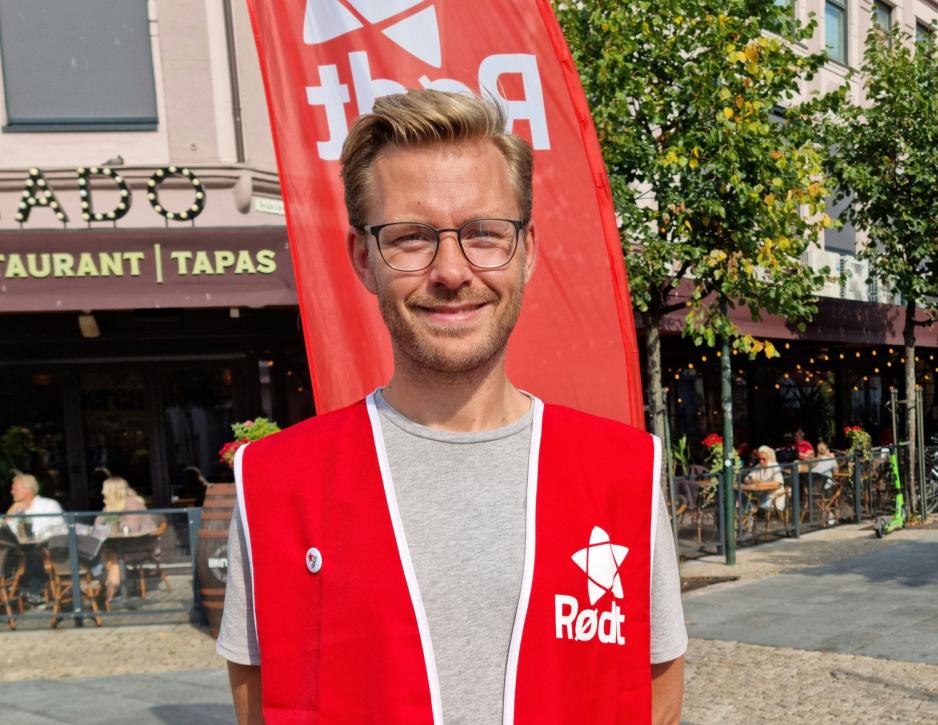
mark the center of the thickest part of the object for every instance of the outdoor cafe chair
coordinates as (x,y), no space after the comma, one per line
(700,483)
(58,567)
(780,497)
(142,554)
(825,493)
(830,499)
(11,569)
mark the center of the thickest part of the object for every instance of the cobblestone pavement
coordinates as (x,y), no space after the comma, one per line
(728,683)
(93,652)
(731,682)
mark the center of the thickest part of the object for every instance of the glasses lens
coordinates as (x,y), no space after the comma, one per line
(488,242)
(407,247)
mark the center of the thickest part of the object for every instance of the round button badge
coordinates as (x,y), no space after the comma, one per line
(313,560)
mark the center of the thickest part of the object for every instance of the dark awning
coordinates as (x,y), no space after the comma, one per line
(114,269)
(837,320)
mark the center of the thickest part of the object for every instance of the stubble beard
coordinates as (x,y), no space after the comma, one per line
(429,352)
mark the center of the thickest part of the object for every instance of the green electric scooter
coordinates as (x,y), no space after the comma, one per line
(885,524)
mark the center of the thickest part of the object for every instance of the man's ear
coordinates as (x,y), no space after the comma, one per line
(356,245)
(530,252)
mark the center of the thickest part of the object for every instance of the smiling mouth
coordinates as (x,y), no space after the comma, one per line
(452,314)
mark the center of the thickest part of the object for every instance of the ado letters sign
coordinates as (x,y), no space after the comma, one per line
(38,192)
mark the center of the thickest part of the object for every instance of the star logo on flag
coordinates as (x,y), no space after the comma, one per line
(601,561)
(416,32)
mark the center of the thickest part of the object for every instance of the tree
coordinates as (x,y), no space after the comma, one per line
(712,184)
(885,164)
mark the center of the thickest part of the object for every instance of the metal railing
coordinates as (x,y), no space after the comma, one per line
(811,495)
(57,566)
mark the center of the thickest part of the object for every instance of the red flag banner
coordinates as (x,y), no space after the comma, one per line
(325,61)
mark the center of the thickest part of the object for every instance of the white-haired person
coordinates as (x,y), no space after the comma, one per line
(121,503)
(26,500)
(766,481)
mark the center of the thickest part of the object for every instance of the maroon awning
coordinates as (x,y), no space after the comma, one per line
(837,320)
(115,269)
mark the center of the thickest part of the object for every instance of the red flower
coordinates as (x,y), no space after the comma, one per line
(712,440)
(227,452)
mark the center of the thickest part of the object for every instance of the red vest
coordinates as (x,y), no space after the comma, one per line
(342,631)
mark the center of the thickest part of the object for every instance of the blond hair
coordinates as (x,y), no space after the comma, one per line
(421,118)
(28,481)
(115,491)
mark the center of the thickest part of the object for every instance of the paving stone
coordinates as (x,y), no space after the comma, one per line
(92,652)
(745,684)
(185,698)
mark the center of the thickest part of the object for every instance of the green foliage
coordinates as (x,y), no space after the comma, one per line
(886,161)
(254,430)
(17,446)
(680,457)
(860,442)
(706,181)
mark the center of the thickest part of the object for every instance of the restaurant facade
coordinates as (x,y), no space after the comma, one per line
(839,369)
(147,297)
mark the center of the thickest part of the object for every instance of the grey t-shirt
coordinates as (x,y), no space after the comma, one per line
(462,503)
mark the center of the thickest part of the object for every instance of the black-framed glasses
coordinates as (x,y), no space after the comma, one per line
(412,246)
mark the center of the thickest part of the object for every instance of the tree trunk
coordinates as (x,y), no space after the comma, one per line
(656,402)
(729,469)
(909,340)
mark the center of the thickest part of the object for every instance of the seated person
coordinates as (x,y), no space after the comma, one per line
(26,500)
(803,446)
(825,464)
(766,480)
(689,486)
(118,497)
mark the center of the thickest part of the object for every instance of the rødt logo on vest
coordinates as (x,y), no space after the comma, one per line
(600,561)
(416,31)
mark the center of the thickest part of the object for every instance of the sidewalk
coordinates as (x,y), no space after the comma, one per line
(192,697)
(145,675)
(150,675)
(782,555)
(836,627)
(104,651)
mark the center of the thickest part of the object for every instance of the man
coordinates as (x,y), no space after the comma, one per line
(451,547)
(26,500)
(803,446)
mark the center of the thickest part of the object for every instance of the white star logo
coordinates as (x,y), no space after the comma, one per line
(416,32)
(601,561)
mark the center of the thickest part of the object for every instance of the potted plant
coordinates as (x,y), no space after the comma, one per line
(245,432)
(860,442)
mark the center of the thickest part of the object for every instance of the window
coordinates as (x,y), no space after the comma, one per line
(923,32)
(843,240)
(835,30)
(882,17)
(77,65)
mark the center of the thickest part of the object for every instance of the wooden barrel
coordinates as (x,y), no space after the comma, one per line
(212,550)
